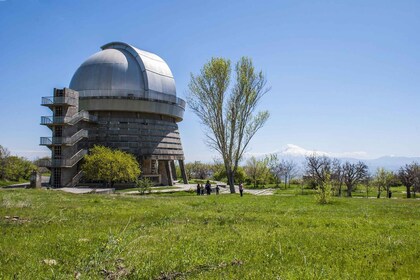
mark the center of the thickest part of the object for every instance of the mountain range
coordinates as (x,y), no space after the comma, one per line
(392,163)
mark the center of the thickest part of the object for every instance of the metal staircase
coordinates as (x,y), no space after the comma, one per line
(65,154)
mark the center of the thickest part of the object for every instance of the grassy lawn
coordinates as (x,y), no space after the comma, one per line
(8,183)
(152,188)
(206,237)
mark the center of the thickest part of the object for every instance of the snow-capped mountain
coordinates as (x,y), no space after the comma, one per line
(298,154)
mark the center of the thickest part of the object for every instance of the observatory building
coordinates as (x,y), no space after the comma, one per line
(123,98)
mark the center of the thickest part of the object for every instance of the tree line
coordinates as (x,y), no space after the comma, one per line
(322,173)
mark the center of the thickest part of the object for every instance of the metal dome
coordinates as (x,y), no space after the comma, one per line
(123,70)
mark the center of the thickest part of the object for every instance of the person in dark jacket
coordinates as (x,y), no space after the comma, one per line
(208,187)
(241,189)
(198,189)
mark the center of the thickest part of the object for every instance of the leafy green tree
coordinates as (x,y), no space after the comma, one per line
(110,166)
(228,116)
(383,180)
(4,154)
(18,168)
(219,174)
(257,170)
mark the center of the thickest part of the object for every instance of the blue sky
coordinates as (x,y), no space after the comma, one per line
(344,75)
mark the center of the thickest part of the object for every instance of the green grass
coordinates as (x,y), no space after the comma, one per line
(206,237)
(8,183)
(152,188)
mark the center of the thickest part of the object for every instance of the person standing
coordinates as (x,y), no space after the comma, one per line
(198,189)
(202,189)
(217,189)
(241,189)
(208,187)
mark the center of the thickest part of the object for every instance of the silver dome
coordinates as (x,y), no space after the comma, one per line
(123,70)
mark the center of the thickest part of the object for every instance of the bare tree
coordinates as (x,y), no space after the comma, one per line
(290,171)
(275,167)
(353,174)
(318,168)
(228,117)
(198,170)
(337,177)
(409,176)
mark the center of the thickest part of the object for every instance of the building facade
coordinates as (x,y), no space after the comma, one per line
(123,98)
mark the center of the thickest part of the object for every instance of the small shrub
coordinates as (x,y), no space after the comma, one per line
(323,192)
(295,181)
(144,185)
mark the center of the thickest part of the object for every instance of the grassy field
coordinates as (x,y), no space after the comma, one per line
(63,236)
(8,183)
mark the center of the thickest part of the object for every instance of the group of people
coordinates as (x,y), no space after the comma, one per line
(207,188)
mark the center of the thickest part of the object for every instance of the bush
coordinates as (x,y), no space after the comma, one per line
(323,192)
(220,175)
(18,168)
(144,185)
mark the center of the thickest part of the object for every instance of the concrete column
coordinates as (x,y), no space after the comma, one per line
(173,170)
(183,174)
(169,173)
(35,180)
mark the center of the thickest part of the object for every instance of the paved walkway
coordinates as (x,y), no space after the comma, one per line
(86,190)
(178,187)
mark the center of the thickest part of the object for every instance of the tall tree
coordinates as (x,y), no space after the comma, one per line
(228,116)
(276,168)
(353,174)
(290,171)
(110,166)
(318,168)
(337,178)
(409,176)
